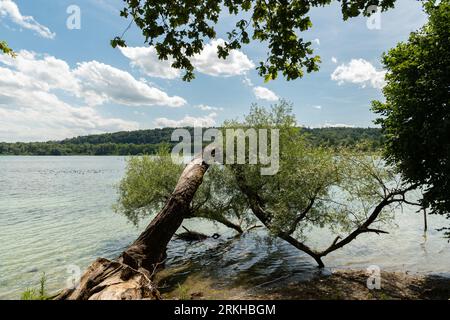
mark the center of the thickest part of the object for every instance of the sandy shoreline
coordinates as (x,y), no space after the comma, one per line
(340,285)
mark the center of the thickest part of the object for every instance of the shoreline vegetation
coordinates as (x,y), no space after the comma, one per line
(341,284)
(150,141)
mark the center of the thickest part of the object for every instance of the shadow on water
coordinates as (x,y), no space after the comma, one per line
(256,266)
(251,261)
(435,287)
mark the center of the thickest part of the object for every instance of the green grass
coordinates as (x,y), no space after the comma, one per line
(183,292)
(37,294)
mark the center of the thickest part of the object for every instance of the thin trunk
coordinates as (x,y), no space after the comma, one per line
(425,222)
(256,205)
(230,224)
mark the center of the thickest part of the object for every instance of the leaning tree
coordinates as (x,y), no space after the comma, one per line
(345,193)
(129,276)
(150,180)
(342,192)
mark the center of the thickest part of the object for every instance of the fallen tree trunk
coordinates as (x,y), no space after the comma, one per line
(130,276)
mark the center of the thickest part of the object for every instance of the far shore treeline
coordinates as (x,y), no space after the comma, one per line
(149,141)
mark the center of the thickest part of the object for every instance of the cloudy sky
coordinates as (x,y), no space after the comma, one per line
(66,82)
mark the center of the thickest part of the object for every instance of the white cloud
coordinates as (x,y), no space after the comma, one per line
(95,82)
(337,125)
(265,94)
(317,41)
(359,71)
(28,112)
(207,62)
(146,60)
(102,83)
(334,59)
(261,93)
(9,8)
(187,121)
(205,107)
(112,6)
(34,89)
(317,107)
(247,81)
(45,71)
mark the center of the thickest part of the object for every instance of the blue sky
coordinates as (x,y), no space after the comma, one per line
(71,82)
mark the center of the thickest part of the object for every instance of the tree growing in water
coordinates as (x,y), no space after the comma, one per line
(149,182)
(345,193)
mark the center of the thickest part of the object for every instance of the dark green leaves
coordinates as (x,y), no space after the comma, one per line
(179,29)
(118,42)
(416,115)
(6,50)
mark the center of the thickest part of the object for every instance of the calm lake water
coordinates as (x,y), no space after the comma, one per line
(55,215)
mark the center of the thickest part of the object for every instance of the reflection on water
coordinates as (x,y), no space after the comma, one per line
(56,212)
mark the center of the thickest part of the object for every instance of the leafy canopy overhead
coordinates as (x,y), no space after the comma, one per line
(179,29)
(416,114)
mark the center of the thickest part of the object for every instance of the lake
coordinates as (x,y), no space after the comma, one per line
(56,216)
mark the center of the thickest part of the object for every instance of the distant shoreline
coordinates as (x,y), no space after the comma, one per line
(150,141)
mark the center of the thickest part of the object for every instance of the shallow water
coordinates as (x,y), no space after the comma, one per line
(55,216)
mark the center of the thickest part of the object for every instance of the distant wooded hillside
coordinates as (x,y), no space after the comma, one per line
(148,142)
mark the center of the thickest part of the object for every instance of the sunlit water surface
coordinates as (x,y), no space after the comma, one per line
(56,214)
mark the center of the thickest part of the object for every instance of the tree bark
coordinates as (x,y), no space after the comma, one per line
(130,276)
(111,280)
(150,247)
(425,222)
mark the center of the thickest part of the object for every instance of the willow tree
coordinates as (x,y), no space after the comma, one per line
(345,193)
(150,180)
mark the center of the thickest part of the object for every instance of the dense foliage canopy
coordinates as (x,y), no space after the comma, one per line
(179,29)
(416,115)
